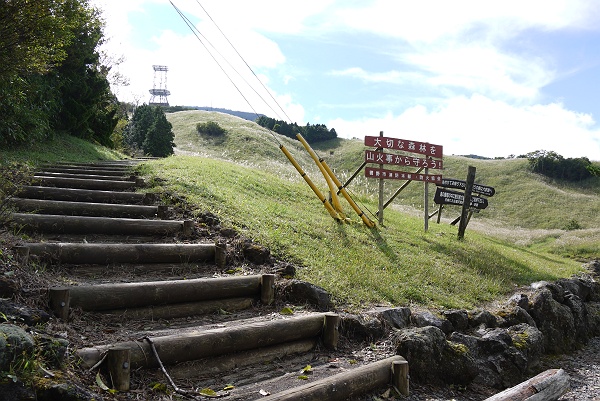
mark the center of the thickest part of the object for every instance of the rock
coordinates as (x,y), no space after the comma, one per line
(423,319)
(297,291)
(67,392)
(501,361)
(29,316)
(16,391)
(257,254)
(398,318)
(15,343)
(520,300)
(433,359)
(458,318)
(361,327)
(593,313)
(514,316)
(8,287)
(554,320)
(529,341)
(576,286)
(482,318)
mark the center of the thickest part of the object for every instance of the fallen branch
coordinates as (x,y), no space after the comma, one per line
(178,390)
(549,385)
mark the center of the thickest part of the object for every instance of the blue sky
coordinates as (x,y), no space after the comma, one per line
(478,77)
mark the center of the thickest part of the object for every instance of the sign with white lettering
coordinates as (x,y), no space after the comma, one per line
(446,197)
(404,145)
(371,172)
(461,184)
(372,156)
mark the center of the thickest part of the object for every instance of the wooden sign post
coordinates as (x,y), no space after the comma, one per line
(432,160)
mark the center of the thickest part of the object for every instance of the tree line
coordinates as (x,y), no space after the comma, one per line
(51,75)
(53,79)
(553,165)
(312,133)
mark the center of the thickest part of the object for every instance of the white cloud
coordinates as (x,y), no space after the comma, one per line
(491,128)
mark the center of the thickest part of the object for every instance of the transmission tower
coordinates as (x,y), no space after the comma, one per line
(160,75)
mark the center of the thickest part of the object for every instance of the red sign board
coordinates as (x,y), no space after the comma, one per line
(405,145)
(372,156)
(371,172)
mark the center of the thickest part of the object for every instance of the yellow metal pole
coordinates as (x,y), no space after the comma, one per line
(368,222)
(326,203)
(335,200)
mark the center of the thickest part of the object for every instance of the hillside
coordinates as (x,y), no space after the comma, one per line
(245,179)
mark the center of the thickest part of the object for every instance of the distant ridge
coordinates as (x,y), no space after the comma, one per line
(242,114)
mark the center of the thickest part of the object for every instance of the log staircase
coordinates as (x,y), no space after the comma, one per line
(169,303)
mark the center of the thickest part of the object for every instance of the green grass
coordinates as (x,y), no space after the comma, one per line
(245,179)
(62,148)
(397,264)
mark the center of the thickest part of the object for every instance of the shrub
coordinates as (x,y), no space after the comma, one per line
(210,128)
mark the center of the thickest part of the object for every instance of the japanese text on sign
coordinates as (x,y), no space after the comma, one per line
(404,145)
(372,156)
(460,184)
(401,175)
(444,197)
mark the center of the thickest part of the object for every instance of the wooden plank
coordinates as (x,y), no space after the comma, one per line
(549,385)
(123,177)
(84,208)
(95,225)
(79,183)
(206,343)
(137,294)
(88,171)
(343,385)
(83,195)
(184,309)
(104,253)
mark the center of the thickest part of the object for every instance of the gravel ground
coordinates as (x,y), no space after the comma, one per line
(584,369)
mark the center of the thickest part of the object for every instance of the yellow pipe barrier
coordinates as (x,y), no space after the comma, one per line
(326,203)
(368,222)
(335,200)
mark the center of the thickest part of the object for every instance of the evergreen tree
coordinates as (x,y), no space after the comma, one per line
(159,137)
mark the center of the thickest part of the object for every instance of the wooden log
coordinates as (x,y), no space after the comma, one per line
(137,294)
(187,228)
(331,332)
(78,183)
(119,367)
(221,254)
(84,195)
(342,386)
(227,363)
(400,377)
(124,177)
(183,309)
(87,208)
(105,253)
(267,289)
(113,172)
(95,225)
(60,299)
(207,343)
(549,385)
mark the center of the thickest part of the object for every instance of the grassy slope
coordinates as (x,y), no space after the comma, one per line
(261,195)
(246,180)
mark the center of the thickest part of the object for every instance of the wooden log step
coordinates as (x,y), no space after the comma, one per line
(206,343)
(85,195)
(342,386)
(152,293)
(84,183)
(104,253)
(549,385)
(51,223)
(124,177)
(88,208)
(183,309)
(81,170)
(218,365)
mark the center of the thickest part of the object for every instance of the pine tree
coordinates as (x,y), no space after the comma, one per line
(159,137)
